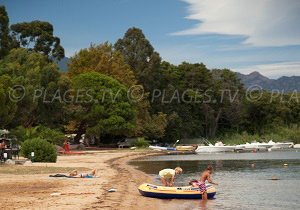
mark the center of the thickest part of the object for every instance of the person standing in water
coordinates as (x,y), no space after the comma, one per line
(167,176)
(206,175)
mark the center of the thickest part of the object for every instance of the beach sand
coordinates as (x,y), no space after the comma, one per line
(32,191)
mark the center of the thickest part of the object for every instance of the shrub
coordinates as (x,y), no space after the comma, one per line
(278,135)
(53,136)
(237,138)
(43,150)
(140,143)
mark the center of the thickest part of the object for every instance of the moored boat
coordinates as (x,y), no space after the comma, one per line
(185,148)
(297,146)
(162,148)
(186,192)
(218,147)
(255,145)
(264,146)
(281,145)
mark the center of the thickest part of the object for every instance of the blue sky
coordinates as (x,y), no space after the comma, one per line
(243,35)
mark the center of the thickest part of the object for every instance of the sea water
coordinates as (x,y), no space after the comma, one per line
(244,179)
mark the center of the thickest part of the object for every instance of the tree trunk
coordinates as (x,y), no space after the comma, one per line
(81,130)
(212,121)
(215,124)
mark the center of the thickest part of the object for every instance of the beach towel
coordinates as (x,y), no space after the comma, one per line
(63,175)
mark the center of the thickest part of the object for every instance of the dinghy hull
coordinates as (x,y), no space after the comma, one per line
(188,192)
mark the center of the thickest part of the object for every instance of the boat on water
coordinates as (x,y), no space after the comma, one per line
(162,148)
(218,147)
(297,146)
(264,146)
(255,145)
(185,148)
(281,145)
(187,192)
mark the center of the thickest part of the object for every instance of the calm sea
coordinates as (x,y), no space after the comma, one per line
(244,179)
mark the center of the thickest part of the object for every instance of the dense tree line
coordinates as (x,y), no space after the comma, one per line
(126,89)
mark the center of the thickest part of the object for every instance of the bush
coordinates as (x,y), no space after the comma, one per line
(53,136)
(237,138)
(140,143)
(43,150)
(278,134)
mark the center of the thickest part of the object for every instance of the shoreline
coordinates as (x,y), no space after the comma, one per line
(129,178)
(32,191)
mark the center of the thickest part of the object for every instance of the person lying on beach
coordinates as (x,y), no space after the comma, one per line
(167,176)
(206,175)
(91,174)
(74,174)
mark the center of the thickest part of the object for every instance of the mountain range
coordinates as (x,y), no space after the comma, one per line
(63,64)
(286,84)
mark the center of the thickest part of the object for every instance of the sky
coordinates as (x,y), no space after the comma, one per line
(242,35)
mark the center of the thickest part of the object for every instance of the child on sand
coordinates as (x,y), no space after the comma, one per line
(206,175)
(167,176)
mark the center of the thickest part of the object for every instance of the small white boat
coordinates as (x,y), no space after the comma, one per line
(297,146)
(281,145)
(218,147)
(254,145)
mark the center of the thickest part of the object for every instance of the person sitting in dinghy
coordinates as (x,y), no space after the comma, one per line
(206,175)
(167,176)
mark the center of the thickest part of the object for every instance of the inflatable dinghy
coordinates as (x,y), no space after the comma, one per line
(186,192)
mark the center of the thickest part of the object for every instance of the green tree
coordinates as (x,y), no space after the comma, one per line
(154,127)
(292,102)
(224,111)
(38,36)
(39,81)
(8,107)
(53,136)
(103,59)
(141,57)
(104,108)
(183,98)
(262,115)
(5,39)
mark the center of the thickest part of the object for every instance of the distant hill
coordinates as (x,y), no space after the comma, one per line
(286,84)
(63,64)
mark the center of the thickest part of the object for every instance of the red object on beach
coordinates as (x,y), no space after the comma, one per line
(67,147)
(72,152)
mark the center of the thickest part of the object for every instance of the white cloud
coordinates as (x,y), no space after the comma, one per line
(274,70)
(262,22)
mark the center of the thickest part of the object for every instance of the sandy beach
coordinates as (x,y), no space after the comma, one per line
(31,188)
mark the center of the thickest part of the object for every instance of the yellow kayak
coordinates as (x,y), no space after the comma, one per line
(187,192)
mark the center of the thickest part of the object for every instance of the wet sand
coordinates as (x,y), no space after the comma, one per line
(32,191)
